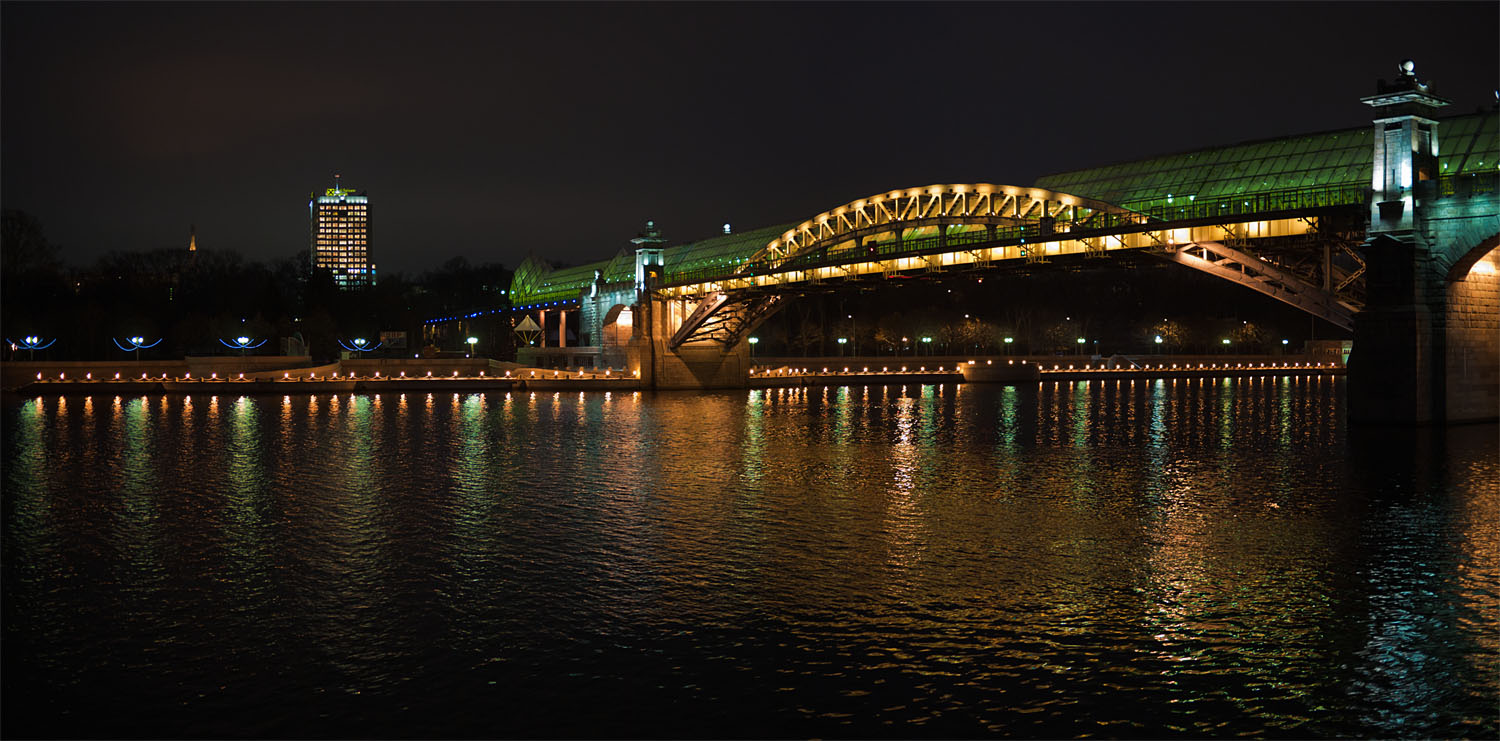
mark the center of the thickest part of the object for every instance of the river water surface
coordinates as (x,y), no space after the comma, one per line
(1189,558)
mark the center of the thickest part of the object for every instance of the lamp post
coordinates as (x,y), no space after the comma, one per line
(927,341)
(135,345)
(1226,345)
(471,341)
(1080,345)
(854,330)
(242,344)
(1008,341)
(1158,344)
(842,342)
(31,343)
(753,342)
(359,344)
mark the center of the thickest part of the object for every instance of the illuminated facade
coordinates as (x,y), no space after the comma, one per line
(339,222)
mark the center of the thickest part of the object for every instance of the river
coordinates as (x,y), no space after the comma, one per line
(1162,558)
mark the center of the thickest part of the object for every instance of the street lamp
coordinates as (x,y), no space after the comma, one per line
(242,344)
(135,344)
(1158,344)
(471,341)
(842,342)
(1226,344)
(1080,345)
(1008,341)
(30,343)
(928,342)
(359,344)
(753,342)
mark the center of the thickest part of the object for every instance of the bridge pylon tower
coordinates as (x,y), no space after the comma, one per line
(1415,359)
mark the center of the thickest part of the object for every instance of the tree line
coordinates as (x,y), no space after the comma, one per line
(191,300)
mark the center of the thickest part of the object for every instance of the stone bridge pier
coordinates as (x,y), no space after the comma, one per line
(633,327)
(1427,344)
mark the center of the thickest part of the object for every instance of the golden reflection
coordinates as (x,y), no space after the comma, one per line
(247,529)
(905,538)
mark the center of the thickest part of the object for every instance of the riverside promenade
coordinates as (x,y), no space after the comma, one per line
(301,375)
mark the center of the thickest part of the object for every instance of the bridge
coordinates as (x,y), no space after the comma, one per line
(1375,229)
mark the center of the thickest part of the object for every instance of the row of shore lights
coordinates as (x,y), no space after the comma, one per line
(1008,340)
(1087,366)
(287,376)
(608,372)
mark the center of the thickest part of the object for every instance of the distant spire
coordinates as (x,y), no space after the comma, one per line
(192,238)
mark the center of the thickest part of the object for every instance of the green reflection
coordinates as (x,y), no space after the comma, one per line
(139,513)
(247,527)
(32,526)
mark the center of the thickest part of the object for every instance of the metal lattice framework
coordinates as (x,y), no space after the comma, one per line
(1264,277)
(933,205)
(725,318)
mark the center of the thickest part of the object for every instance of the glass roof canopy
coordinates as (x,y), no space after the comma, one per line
(1467,144)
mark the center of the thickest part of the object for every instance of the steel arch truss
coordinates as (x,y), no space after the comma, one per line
(725,318)
(1258,275)
(898,210)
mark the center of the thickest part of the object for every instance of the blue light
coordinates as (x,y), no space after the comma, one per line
(243,343)
(135,343)
(359,345)
(32,342)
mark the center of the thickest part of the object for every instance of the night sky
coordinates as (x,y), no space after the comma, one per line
(494,130)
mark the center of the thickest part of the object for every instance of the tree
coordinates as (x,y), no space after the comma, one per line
(1172,333)
(1251,337)
(23,246)
(1062,336)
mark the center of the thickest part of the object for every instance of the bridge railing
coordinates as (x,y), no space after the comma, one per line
(1471,184)
(1176,209)
(1184,208)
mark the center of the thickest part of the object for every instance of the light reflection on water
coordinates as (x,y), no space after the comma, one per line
(1161,557)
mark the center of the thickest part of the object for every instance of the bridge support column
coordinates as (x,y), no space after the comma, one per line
(1396,371)
(693,366)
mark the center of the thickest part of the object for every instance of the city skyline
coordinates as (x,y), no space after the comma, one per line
(497,151)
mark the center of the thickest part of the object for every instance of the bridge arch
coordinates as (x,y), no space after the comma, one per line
(1468,260)
(941,205)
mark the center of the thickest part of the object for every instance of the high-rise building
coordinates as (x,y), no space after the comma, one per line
(340,224)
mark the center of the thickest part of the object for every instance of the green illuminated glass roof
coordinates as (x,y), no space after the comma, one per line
(1466,144)
(723,252)
(535,282)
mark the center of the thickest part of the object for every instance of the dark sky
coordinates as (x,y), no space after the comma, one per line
(491,130)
